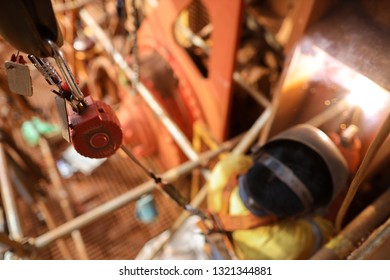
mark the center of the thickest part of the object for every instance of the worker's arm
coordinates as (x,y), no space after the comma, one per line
(231,165)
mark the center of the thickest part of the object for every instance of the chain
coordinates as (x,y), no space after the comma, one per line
(134,50)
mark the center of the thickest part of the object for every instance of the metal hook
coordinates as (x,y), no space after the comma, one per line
(77,95)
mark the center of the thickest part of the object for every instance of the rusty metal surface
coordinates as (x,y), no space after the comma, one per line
(377,245)
(141,128)
(214,92)
(358,37)
(341,246)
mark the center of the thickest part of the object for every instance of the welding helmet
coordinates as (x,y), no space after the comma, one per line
(297,172)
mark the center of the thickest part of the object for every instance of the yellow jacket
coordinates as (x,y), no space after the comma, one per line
(289,238)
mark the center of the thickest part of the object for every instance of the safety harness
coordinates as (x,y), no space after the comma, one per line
(219,238)
(218,234)
(225,222)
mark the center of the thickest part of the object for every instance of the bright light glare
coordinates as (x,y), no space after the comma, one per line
(370,97)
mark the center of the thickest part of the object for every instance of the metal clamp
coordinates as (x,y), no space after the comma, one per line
(77,99)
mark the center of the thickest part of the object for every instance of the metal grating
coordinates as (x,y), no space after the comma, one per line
(119,235)
(198,16)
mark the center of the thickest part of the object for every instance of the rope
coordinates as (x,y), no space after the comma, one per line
(168,188)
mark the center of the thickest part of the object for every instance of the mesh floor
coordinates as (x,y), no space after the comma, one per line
(118,235)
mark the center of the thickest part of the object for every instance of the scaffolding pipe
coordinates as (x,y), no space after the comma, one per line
(159,112)
(51,224)
(120,201)
(329,113)
(374,244)
(254,93)
(8,197)
(341,246)
(253,133)
(64,202)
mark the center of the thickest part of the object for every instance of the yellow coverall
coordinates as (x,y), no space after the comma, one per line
(288,238)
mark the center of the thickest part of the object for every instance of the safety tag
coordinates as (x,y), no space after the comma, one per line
(19,80)
(63,114)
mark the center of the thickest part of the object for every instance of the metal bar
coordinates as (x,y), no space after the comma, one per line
(120,201)
(8,197)
(329,113)
(103,39)
(61,244)
(316,121)
(253,133)
(361,226)
(362,171)
(58,187)
(66,72)
(254,93)
(374,243)
(17,247)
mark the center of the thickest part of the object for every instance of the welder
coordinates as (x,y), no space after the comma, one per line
(272,203)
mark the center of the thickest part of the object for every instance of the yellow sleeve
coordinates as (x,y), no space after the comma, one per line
(290,238)
(229,166)
(286,240)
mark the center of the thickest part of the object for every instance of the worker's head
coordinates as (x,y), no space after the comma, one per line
(297,172)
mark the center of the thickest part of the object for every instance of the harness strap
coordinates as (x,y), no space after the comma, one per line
(226,193)
(219,239)
(318,236)
(230,223)
(225,222)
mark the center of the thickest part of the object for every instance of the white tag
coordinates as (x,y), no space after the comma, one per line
(61,108)
(19,80)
